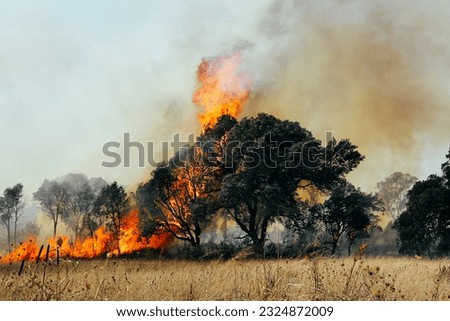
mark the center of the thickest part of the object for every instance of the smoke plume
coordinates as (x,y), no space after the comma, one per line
(363,72)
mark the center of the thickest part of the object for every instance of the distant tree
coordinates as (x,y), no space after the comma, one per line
(71,199)
(79,214)
(112,203)
(424,227)
(6,218)
(31,228)
(11,205)
(347,210)
(266,162)
(52,197)
(393,192)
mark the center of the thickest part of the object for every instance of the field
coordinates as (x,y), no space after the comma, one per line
(359,278)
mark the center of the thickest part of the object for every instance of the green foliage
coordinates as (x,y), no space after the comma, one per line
(249,171)
(11,203)
(347,210)
(424,227)
(266,161)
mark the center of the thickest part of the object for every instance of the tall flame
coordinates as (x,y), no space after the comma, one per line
(102,243)
(223,90)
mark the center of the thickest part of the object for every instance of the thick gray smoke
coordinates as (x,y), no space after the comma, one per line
(373,73)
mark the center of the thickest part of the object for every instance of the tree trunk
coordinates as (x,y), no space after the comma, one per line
(254,236)
(252,231)
(264,225)
(258,246)
(55,224)
(15,228)
(349,249)
(8,228)
(197,232)
(335,242)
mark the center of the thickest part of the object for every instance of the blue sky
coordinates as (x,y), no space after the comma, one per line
(77,74)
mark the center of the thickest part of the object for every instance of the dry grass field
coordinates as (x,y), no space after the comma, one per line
(359,278)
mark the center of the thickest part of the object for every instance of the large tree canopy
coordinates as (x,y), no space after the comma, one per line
(267,160)
(251,170)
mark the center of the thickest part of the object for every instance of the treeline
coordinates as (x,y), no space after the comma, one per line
(262,170)
(255,173)
(82,204)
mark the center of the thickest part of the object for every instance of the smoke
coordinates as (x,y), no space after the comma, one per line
(367,72)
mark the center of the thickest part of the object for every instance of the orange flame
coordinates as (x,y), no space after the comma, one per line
(102,243)
(223,90)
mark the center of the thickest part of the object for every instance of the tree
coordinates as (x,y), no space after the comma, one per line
(78,212)
(52,197)
(347,210)
(5,218)
(393,192)
(11,205)
(181,196)
(424,227)
(168,201)
(267,160)
(112,203)
(70,199)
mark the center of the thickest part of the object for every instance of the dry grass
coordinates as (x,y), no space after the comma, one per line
(313,279)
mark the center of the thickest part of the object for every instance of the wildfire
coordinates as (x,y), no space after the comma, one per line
(102,243)
(223,90)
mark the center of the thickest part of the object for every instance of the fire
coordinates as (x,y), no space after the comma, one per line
(223,90)
(102,243)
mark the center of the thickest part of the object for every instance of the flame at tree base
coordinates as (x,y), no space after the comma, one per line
(103,243)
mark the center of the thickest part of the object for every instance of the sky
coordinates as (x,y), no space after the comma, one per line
(75,75)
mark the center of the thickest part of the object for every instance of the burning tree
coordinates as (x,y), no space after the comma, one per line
(166,202)
(182,195)
(249,169)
